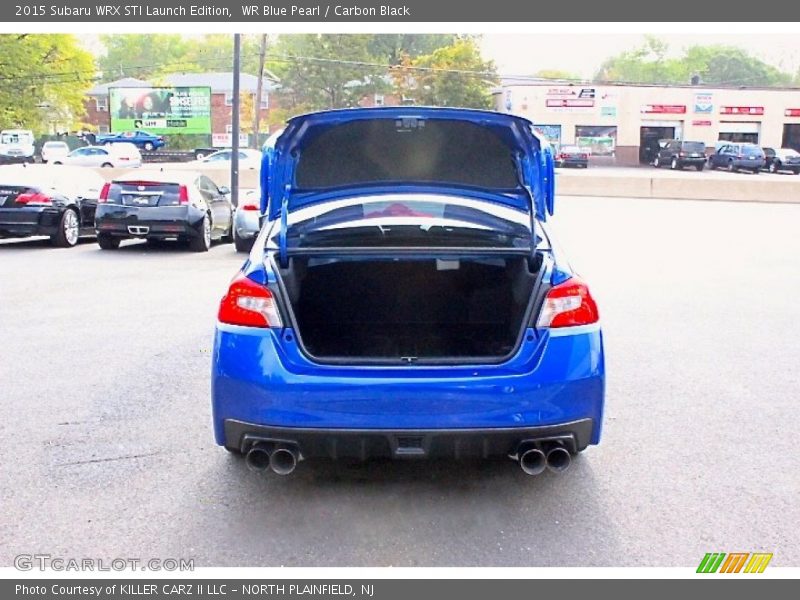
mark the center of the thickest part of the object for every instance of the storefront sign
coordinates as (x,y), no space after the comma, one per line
(568,103)
(791,112)
(571,92)
(741,110)
(664,109)
(701,123)
(225,140)
(703,103)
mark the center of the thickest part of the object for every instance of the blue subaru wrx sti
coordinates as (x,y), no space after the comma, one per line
(404,299)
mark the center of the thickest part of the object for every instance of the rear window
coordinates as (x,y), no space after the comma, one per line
(143,193)
(694,146)
(386,151)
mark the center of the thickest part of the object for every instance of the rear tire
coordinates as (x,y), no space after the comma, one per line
(699,167)
(149,147)
(731,168)
(107,242)
(107,166)
(202,242)
(674,164)
(68,230)
(774,166)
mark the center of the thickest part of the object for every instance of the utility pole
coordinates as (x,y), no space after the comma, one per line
(235,122)
(262,55)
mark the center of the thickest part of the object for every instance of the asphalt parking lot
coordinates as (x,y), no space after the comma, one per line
(107,447)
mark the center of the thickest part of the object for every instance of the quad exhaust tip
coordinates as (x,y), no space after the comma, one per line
(282,459)
(533,460)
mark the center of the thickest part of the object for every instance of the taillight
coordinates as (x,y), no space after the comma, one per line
(104,193)
(249,206)
(568,304)
(681,154)
(34,198)
(250,304)
(183,195)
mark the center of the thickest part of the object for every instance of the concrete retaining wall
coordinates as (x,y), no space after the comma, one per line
(628,183)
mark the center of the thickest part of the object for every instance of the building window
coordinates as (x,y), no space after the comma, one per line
(103,128)
(228,98)
(101,103)
(379,100)
(229,129)
(601,139)
(264,100)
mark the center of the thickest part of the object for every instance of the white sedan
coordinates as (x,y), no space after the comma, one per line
(115,155)
(248,159)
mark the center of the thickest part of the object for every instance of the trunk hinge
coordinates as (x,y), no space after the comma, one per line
(283,259)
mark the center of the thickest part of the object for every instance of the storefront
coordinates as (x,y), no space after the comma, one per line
(623,124)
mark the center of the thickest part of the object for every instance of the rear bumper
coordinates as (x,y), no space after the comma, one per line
(148,222)
(29,221)
(409,443)
(748,164)
(262,383)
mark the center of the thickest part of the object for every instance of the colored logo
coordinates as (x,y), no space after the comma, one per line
(735,562)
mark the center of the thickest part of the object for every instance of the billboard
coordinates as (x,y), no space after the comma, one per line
(160,110)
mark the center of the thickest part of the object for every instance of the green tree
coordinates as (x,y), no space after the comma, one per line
(325,71)
(455,75)
(715,65)
(43,79)
(144,55)
(556,74)
(390,48)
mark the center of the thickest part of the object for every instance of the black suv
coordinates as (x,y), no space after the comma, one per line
(679,154)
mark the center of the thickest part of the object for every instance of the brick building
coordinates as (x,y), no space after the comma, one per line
(221,84)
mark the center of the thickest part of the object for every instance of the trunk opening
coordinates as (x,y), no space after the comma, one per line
(409,309)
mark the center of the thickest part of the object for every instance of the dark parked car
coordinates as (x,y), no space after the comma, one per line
(782,159)
(158,205)
(141,139)
(573,156)
(681,153)
(58,202)
(736,157)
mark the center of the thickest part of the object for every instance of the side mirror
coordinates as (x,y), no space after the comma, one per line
(224,190)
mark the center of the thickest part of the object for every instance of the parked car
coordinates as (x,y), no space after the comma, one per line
(782,159)
(162,205)
(678,154)
(246,221)
(54,150)
(736,157)
(407,302)
(16,146)
(113,155)
(141,139)
(248,159)
(572,156)
(43,200)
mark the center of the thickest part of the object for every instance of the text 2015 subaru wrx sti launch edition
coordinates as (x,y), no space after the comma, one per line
(404,299)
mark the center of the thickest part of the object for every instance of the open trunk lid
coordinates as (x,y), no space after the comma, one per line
(328,155)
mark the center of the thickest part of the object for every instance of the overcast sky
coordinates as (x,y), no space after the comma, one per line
(517,54)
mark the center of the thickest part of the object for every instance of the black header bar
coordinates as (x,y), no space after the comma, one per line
(389,11)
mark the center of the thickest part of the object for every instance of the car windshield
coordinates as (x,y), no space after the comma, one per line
(693,146)
(403,221)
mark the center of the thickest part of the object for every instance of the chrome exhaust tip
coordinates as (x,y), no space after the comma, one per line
(558,459)
(258,457)
(283,460)
(533,461)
